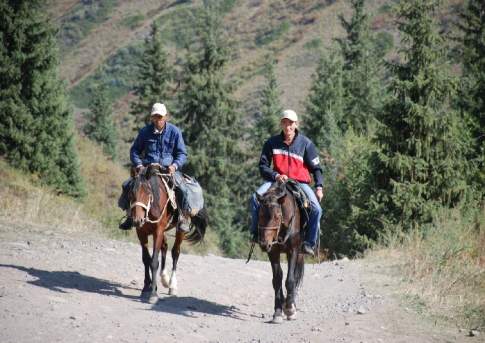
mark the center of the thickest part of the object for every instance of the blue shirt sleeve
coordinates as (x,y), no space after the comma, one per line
(137,149)
(180,151)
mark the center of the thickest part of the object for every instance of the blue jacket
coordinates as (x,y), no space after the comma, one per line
(164,148)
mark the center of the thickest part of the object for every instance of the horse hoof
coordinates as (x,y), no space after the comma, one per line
(291,317)
(277,319)
(172,291)
(290,311)
(153,299)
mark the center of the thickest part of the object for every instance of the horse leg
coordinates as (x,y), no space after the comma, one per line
(164,272)
(290,308)
(274,258)
(157,244)
(145,255)
(179,237)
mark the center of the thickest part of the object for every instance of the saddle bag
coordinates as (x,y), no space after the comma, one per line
(188,193)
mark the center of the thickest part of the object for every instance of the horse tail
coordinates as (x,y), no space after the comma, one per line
(198,226)
(299,270)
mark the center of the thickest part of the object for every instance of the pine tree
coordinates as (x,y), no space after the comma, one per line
(361,80)
(99,121)
(325,104)
(211,132)
(472,94)
(36,127)
(154,78)
(267,122)
(421,165)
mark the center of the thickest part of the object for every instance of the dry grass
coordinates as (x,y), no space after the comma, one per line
(444,269)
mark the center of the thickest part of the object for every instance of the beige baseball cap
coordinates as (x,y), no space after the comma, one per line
(159,109)
(289,114)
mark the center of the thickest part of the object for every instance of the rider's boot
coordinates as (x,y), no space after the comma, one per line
(128,223)
(307,249)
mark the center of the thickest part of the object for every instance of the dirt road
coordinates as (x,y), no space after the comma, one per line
(57,286)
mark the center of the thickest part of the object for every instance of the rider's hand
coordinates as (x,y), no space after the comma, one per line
(138,168)
(281,178)
(172,168)
(319,193)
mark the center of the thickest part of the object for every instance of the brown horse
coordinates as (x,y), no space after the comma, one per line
(153,214)
(279,232)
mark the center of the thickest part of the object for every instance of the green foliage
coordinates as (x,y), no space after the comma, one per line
(99,122)
(422,163)
(314,44)
(154,77)
(210,125)
(273,34)
(118,75)
(267,121)
(81,19)
(133,21)
(325,104)
(36,127)
(362,85)
(472,88)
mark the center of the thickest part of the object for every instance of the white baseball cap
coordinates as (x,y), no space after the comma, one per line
(159,109)
(289,114)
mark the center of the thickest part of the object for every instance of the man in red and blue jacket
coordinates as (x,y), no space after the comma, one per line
(294,156)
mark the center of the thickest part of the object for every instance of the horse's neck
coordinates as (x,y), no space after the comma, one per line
(289,208)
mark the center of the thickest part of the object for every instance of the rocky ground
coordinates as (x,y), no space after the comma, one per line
(58,286)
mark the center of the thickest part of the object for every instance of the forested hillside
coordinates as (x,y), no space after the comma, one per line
(391,93)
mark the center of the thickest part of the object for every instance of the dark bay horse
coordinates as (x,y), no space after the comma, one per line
(153,214)
(279,232)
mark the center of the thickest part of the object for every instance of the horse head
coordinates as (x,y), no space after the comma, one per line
(145,195)
(271,217)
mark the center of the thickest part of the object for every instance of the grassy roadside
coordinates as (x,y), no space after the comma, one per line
(441,271)
(24,201)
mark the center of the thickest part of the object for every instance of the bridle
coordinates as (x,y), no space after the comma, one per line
(148,206)
(277,227)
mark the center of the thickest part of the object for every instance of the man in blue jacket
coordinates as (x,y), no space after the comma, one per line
(294,156)
(159,142)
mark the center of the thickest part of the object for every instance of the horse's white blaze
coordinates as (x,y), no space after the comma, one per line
(165,278)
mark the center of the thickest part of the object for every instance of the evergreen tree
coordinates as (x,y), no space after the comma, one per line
(212,131)
(361,80)
(36,127)
(472,94)
(267,122)
(99,121)
(325,104)
(421,165)
(154,78)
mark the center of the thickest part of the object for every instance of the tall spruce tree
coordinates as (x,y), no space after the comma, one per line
(154,78)
(325,105)
(421,165)
(99,121)
(472,90)
(36,126)
(267,122)
(212,133)
(361,82)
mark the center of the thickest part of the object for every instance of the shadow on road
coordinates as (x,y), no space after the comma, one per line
(190,307)
(61,281)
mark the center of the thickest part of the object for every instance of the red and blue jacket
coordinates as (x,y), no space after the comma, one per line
(296,161)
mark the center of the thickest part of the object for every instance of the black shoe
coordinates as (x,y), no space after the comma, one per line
(127,224)
(307,249)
